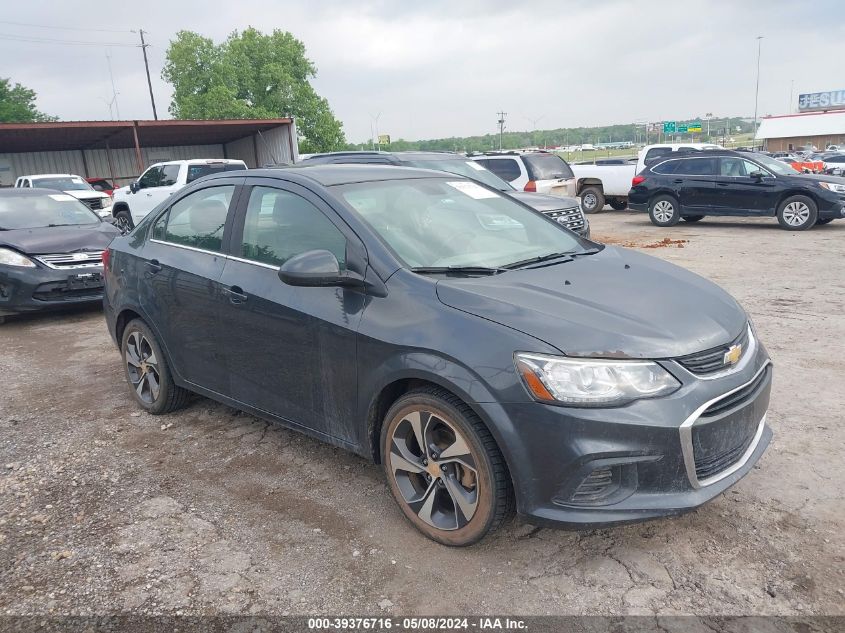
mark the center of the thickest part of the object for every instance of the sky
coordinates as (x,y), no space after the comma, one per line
(441,68)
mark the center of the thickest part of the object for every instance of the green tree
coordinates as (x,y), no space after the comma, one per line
(250,76)
(17,104)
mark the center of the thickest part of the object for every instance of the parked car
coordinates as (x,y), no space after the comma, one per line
(159,182)
(102,185)
(51,249)
(537,172)
(99,202)
(565,211)
(835,165)
(485,356)
(694,185)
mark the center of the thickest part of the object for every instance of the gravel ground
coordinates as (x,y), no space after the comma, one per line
(105,509)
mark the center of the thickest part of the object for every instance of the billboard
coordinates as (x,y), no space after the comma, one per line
(831,100)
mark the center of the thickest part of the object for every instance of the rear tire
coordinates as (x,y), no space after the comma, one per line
(123,221)
(797,213)
(618,204)
(592,199)
(664,211)
(148,372)
(456,489)
(692,218)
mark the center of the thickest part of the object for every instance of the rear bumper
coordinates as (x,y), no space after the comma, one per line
(33,289)
(580,468)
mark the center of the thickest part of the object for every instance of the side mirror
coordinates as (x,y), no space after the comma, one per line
(134,186)
(317,268)
(756,175)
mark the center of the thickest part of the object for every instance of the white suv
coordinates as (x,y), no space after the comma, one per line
(161,181)
(541,172)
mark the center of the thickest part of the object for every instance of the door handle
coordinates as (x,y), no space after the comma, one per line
(678,181)
(722,184)
(153,267)
(236,294)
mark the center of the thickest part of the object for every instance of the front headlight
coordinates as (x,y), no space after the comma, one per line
(835,187)
(8,257)
(585,382)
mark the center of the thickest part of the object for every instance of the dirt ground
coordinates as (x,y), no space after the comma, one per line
(105,509)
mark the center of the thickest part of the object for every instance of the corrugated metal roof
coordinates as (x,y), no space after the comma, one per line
(802,125)
(76,135)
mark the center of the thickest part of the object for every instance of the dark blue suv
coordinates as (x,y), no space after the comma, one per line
(693,185)
(483,354)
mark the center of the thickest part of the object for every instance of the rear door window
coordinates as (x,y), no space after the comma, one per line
(546,167)
(696,167)
(505,168)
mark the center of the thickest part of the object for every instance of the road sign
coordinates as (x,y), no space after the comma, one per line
(668,127)
(682,128)
(695,126)
(384,139)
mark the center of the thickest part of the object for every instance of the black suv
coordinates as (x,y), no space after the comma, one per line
(563,210)
(693,185)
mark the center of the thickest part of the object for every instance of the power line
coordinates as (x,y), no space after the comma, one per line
(63,28)
(46,40)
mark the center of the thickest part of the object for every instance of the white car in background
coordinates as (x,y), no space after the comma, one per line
(540,172)
(73,185)
(159,182)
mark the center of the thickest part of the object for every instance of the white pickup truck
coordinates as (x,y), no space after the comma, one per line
(608,182)
(159,182)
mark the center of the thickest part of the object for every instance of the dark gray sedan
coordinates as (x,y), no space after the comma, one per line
(485,356)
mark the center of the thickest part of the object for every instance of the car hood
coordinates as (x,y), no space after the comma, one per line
(614,304)
(542,201)
(81,194)
(60,239)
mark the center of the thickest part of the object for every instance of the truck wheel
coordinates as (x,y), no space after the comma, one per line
(797,213)
(663,211)
(592,199)
(123,221)
(618,204)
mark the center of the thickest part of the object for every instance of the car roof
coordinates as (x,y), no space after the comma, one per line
(339,174)
(51,176)
(28,191)
(400,156)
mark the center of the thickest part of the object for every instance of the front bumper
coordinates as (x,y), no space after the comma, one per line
(41,288)
(652,458)
(830,204)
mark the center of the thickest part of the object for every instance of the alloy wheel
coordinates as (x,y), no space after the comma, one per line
(796,213)
(434,469)
(663,211)
(142,367)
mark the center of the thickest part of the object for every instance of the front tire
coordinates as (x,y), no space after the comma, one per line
(797,213)
(147,371)
(123,221)
(444,468)
(592,199)
(664,211)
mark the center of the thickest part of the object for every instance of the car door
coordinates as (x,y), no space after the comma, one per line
(693,179)
(166,187)
(291,350)
(184,257)
(740,193)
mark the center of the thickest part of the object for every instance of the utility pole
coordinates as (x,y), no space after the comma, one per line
(147,66)
(501,122)
(757,88)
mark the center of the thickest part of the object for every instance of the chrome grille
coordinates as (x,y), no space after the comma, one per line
(713,360)
(61,261)
(93,203)
(572,218)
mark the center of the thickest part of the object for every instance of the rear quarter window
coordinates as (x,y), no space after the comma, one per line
(546,167)
(665,168)
(505,168)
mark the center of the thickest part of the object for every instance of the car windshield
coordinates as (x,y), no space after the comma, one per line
(467,168)
(62,183)
(442,223)
(773,165)
(33,211)
(198,171)
(547,166)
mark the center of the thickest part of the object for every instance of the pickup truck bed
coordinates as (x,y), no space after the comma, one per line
(598,185)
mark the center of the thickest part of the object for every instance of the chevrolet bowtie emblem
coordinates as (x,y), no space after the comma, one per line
(733,355)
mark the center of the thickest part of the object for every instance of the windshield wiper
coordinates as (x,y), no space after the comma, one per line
(471,270)
(539,258)
(53,225)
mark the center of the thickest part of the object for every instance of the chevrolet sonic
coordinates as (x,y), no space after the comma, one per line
(486,356)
